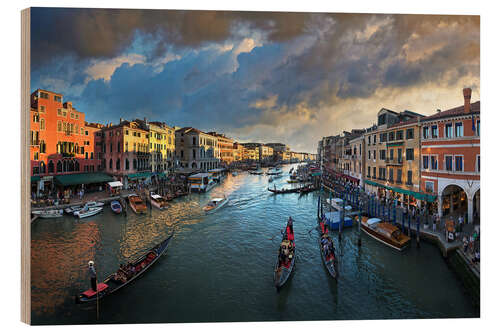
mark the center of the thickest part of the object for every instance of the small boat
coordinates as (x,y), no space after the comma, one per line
(256,172)
(71,210)
(385,232)
(328,251)
(306,189)
(92,204)
(137,204)
(286,257)
(283,190)
(116,207)
(158,201)
(125,274)
(274,171)
(48,213)
(215,204)
(87,211)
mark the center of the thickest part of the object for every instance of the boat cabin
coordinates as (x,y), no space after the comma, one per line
(217,174)
(200,182)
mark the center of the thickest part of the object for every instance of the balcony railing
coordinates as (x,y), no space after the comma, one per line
(394,161)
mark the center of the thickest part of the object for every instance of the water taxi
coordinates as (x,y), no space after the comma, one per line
(215,204)
(158,201)
(87,211)
(136,203)
(385,233)
(217,175)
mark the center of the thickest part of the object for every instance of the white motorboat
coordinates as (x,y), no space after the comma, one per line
(215,204)
(92,204)
(337,203)
(87,211)
(158,201)
(274,171)
(71,210)
(48,213)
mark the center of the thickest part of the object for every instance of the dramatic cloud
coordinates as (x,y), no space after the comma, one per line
(290,77)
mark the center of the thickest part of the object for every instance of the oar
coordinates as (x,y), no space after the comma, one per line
(276,235)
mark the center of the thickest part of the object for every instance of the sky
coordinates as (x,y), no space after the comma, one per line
(254,76)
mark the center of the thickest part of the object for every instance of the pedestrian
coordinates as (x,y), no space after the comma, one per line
(434,223)
(466,243)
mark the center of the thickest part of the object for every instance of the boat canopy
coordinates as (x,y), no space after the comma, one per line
(155,196)
(199,175)
(373,221)
(217,199)
(115,184)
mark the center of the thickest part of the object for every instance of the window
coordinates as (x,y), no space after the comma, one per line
(391,136)
(459,163)
(118,146)
(399,135)
(126,132)
(425,162)
(35,156)
(409,180)
(369,139)
(42,124)
(478,163)
(434,131)
(381,172)
(72,115)
(57,98)
(111,163)
(434,163)
(425,132)
(409,133)
(429,187)
(126,146)
(391,175)
(51,167)
(399,176)
(127,166)
(59,126)
(44,95)
(369,155)
(459,130)
(409,154)
(374,139)
(42,108)
(382,154)
(86,155)
(448,130)
(448,162)
(118,164)
(194,154)
(76,115)
(477,128)
(391,154)
(91,155)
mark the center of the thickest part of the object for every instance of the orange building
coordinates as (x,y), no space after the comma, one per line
(61,141)
(450,158)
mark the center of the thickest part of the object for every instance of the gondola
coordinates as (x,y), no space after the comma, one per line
(306,189)
(123,276)
(329,261)
(286,257)
(284,190)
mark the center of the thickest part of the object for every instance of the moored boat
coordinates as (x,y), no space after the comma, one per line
(71,210)
(137,204)
(92,204)
(385,232)
(286,256)
(116,207)
(158,201)
(87,211)
(283,190)
(334,220)
(215,204)
(274,171)
(48,213)
(256,172)
(125,274)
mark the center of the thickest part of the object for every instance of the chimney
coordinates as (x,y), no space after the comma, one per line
(467,95)
(121,120)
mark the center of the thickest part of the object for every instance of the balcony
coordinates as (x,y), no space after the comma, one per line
(394,161)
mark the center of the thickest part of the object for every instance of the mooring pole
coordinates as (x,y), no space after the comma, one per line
(418,231)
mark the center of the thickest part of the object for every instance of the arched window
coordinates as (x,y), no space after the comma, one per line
(71,166)
(77,166)
(127,166)
(118,164)
(51,167)
(111,164)
(65,165)
(35,170)
(59,147)
(135,164)
(42,167)
(194,141)
(59,166)
(193,165)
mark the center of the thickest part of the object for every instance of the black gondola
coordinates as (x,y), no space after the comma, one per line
(329,259)
(125,275)
(286,257)
(285,190)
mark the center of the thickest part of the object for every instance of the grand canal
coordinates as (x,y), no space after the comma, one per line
(219,267)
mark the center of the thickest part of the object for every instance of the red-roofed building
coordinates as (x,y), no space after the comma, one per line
(450,158)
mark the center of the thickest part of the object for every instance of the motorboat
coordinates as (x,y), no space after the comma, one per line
(87,211)
(92,204)
(256,172)
(48,213)
(215,204)
(72,209)
(338,204)
(201,182)
(385,232)
(136,203)
(333,220)
(116,207)
(158,201)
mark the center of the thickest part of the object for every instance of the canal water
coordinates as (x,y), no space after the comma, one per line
(219,267)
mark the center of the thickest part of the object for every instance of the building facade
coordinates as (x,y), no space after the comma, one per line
(196,150)
(450,160)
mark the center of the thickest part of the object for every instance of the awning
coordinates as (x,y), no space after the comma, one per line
(35,178)
(139,175)
(416,195)
(83,178)
(115,184)
(316,174)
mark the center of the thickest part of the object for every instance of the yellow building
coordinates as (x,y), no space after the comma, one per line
(161,146)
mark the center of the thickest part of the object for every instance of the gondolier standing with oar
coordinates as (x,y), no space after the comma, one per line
(93,276)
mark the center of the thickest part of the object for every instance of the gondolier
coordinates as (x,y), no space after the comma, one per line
(93,276)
